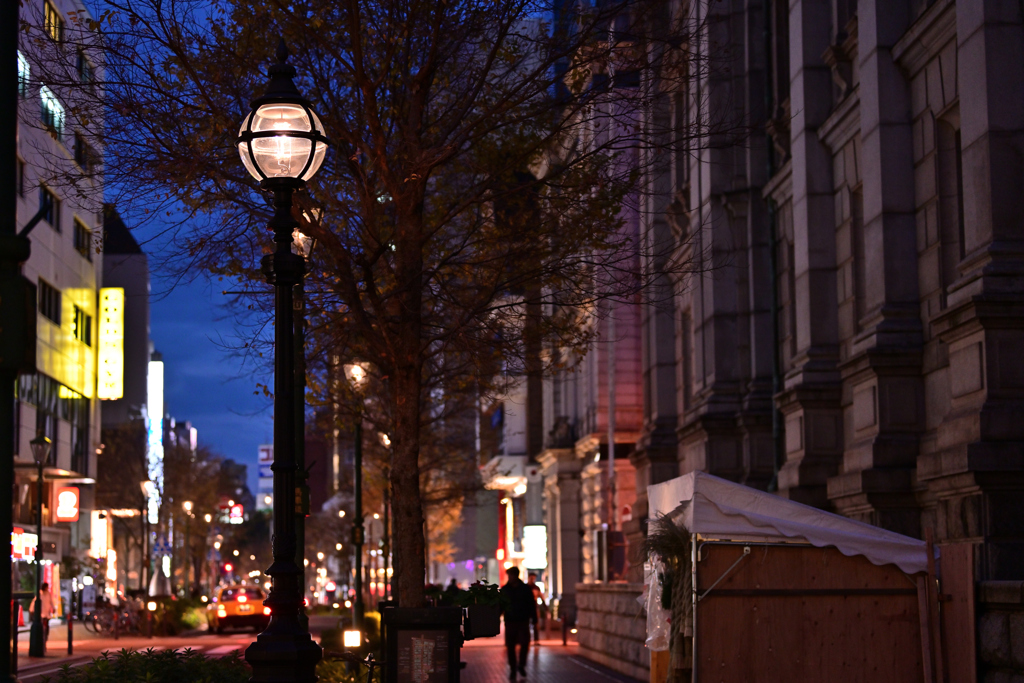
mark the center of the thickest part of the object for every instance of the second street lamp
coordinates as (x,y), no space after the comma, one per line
(282,144)
(37,635)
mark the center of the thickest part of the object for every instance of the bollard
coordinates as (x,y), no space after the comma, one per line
(149,624)
(71,621)
(117,619)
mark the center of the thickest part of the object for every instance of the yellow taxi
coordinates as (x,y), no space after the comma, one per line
(238,606)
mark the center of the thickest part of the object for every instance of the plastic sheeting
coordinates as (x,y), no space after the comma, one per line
(714,507)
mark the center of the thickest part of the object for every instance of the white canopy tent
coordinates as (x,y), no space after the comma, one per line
(716,508)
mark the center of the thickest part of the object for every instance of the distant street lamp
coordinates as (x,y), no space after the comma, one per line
(37,642)
(356,374)
(187,507)
(282,144)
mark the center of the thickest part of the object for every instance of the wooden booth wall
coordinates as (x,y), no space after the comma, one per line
(804,614)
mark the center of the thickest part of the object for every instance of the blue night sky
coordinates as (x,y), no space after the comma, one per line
(204,383)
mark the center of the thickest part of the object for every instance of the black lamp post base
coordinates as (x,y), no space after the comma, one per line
(283,658)
(36,644)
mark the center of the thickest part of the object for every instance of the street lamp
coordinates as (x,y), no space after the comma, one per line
(37,642)
(282,144)
(303,245)
(356,374)
(187,507)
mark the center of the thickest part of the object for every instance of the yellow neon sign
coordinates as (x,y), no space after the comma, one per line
(111,343)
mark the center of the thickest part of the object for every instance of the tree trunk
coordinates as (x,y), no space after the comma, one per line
(406,401)
(406,504)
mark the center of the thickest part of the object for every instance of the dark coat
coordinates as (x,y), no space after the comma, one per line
(521,605)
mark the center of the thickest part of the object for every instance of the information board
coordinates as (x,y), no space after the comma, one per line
(423,656)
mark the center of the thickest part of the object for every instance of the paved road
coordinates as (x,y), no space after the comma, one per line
(550,662)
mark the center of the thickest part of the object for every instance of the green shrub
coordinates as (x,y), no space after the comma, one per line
(164,666)
(337,671)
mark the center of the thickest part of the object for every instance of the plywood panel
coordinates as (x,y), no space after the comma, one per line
(801,614)
(957,610)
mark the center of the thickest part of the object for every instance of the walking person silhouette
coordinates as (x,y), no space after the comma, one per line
(520,611)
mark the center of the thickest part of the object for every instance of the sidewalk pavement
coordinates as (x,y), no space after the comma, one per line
(548,662)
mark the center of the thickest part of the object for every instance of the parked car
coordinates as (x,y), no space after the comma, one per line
(238,606)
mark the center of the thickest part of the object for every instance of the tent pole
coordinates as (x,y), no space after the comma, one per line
(693,591)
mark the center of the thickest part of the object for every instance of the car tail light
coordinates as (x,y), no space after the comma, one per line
(242,598)
(305,602)
(222,613)
(266,610)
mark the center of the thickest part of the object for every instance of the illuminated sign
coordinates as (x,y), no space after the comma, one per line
(99,533)
(112,565)
(236,515)
(110,352)
(23,545)
(155,440)
(67,504)
(535,546)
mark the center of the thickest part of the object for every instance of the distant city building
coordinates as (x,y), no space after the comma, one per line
(59,400)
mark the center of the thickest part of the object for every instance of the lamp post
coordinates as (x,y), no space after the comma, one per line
(37,643)
(304,245)
(356,374)
(282,145)
(187,507)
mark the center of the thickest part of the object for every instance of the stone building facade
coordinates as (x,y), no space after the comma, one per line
(832,226)
(851,334)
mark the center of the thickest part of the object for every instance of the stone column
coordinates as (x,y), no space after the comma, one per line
(561,471)
(978,474)
(810,398)
(883,372)
(654,457)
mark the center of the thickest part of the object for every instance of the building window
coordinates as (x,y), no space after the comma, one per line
(50,206)
(53,22)
(85,70)
(83,239)
(41,391)
(52,112)
(24,73)
(75,409)
(84,156)
(21,178)
(82,326)
(951,202)
(49,302)
(53,400)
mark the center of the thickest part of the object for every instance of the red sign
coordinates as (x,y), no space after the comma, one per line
(67,504)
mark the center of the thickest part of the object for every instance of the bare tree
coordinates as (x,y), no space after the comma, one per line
(485,155)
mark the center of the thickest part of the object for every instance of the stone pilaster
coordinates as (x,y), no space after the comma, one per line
(977,473)
(882,385)
(561,472)
(810,398)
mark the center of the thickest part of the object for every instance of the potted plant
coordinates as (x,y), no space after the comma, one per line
(483,603)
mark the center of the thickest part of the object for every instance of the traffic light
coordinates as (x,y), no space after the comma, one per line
(228,567)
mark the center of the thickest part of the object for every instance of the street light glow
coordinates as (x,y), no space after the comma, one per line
(341,513)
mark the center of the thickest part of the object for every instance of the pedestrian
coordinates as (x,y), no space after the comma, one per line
(46,602)
(520,611)
(538,598)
